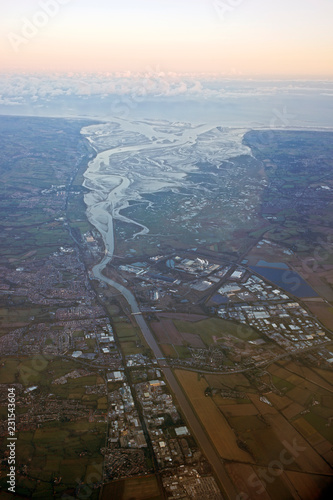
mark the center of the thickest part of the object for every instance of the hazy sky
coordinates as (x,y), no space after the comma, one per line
(274,38)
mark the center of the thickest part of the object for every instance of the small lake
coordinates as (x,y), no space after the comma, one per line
(288,280)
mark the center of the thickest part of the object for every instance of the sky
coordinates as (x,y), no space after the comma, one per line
(239,38)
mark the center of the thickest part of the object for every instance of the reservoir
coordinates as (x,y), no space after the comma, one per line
(287,279)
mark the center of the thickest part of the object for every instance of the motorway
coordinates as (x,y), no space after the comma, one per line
(192,420)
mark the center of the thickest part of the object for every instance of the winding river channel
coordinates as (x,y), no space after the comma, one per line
(108,195)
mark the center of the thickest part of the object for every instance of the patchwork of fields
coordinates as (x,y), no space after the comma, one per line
(277,443)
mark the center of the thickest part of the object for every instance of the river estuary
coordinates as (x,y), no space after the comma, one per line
(110,192)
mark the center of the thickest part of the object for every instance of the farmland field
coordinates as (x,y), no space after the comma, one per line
(216,327)
(64,446)
(251,433)
(211,418)
(130,489)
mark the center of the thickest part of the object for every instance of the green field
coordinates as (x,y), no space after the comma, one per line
(57,448)
(216,327)
(55,451)
(126,331)
(183,351)
(281,384)
(130,489)
(129,348)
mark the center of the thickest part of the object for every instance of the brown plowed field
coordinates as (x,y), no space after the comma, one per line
(217,427)
(307,486)
(166,332)
(308,459)
(193,339)
(240,410)
(292,410)
(183,316)
(244,477)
